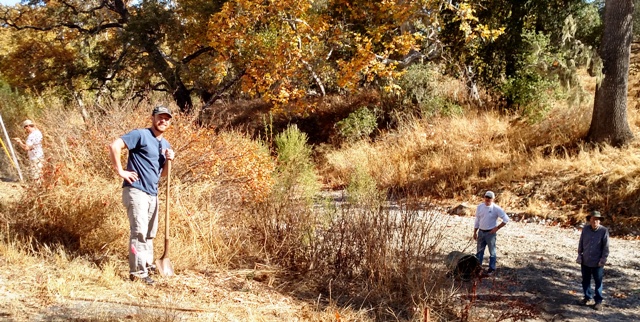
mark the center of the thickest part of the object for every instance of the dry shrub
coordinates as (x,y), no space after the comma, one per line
(383,258)
(386,258)
(240,168)
(78,204)
(78,216)
(216,177)
(283,223)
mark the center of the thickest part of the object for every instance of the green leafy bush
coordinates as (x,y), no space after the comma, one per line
(419,85)
(440,105)
(284,222)
(358,125)
(296,173)
(363,188)
(531,89)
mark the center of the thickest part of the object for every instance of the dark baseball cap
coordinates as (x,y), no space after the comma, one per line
(161,110)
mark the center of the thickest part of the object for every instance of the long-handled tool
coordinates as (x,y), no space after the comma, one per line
(163,264)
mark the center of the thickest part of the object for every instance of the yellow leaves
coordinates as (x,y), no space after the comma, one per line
(403,43)
(370,63)
(490,34)
(269,41)
(393,89)
(466,12)
(469,23)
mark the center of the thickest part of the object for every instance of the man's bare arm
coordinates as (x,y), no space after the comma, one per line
(115,150)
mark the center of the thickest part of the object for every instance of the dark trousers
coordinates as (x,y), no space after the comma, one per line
(597,273)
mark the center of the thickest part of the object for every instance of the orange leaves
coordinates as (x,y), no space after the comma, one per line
(375,50)
(231,160)
(286,47)
(268,41)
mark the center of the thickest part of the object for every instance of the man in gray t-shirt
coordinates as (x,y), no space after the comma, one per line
(148,154)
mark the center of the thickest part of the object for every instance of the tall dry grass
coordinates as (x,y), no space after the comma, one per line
(78,204)
(540,168)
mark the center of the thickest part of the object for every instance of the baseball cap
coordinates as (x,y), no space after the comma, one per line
(490,194)
(27,123)
(161,110)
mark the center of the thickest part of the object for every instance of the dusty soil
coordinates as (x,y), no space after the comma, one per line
(537,273)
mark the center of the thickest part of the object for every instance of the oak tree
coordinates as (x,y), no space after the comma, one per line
(609,122)
(111,46)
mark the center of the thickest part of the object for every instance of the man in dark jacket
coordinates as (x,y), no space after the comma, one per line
(593,251)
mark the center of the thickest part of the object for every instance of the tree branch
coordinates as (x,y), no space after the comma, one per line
(223,89)
(77,11)
(195,55)
(117,6)
(412,56)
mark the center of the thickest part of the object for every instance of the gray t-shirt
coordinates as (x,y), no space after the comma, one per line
(146,158)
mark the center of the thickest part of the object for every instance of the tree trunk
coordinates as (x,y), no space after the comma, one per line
(609,121)
(181,95)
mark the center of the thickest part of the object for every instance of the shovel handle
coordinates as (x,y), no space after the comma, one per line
(165,254)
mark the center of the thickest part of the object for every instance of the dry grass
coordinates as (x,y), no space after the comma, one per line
(50,285)
(539,169)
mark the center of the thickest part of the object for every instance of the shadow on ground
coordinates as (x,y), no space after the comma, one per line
(549,290)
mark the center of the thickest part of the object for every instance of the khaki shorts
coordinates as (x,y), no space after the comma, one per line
(35,169)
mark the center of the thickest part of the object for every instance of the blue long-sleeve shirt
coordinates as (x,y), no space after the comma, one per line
(594,246)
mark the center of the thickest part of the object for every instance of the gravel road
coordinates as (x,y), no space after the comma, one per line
(537,271)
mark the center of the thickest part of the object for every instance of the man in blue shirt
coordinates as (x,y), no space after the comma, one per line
(148,153)
(593,250)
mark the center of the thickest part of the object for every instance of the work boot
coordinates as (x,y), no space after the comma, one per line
(147,280)
(598,306)
(584,301)
(152,269)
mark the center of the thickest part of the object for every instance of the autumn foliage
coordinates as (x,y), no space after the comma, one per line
(277,51)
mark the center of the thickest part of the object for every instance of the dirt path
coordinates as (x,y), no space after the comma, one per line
(536,269)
